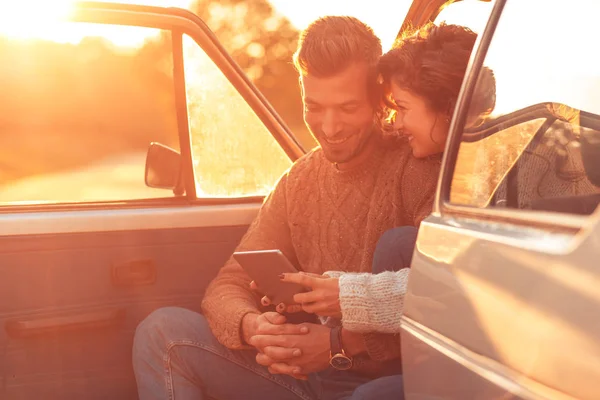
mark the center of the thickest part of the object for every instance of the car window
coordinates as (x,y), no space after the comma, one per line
(534,117)
(233,152)
(79,105)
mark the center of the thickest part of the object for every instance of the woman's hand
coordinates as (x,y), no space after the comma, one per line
(324,297)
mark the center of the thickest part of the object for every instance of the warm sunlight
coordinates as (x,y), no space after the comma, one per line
(17,21)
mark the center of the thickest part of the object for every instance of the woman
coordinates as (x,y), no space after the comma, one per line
(421,77)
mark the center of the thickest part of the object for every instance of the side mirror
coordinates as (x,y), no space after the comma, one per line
(163,167)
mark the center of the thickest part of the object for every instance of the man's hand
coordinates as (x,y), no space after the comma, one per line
(314,349)
(270,322)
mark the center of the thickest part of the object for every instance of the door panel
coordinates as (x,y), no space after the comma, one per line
(522,302)
(65,278)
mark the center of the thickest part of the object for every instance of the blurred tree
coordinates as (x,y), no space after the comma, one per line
(63,106)
(262,42)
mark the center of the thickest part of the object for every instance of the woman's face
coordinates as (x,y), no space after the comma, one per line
(425,129)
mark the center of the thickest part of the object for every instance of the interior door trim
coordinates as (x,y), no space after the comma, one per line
(20,224)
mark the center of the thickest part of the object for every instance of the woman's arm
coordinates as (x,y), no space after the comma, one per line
(373,303)
(365,302)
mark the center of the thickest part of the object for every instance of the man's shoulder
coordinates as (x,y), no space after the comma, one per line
(307,163)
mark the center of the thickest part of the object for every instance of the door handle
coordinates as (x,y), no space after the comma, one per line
(134,273)
(64,323)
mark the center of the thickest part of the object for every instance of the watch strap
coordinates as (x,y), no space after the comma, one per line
(335,338)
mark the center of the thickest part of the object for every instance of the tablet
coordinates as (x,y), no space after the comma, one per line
(264,267)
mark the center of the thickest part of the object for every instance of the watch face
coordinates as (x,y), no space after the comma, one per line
(341,362)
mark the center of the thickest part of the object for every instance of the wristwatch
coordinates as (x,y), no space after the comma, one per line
(338,358)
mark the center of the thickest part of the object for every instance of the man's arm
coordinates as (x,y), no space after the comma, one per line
(228,298)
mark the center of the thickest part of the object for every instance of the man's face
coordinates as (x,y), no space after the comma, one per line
(338,111)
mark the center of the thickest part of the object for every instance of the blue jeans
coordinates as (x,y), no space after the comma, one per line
(395,249)
(176,356)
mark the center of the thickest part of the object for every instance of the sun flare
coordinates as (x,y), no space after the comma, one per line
(47,20)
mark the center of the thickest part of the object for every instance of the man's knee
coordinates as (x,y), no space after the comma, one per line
(394,249)
(402,234)
(169,324)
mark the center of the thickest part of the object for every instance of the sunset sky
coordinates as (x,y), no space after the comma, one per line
(385,16)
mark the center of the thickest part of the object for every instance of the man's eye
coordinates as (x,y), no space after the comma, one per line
(349,109)
(312,108)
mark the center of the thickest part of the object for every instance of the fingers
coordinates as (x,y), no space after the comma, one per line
(309,297)
(265,301)
(262,341)
(295,308)
(281,353)
(282,368)
(273,318)
(279,367)
(301,278)
(254,286)
(284,329)
(264,360)
(323,309)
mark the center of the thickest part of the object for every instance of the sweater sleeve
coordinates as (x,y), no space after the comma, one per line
(228,297)
(373,302)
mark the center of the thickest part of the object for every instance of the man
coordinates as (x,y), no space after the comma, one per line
(326,213)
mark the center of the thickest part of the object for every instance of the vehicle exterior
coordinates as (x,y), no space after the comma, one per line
(503,288)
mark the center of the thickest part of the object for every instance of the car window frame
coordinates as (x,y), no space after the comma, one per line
(442,205)
(178,22)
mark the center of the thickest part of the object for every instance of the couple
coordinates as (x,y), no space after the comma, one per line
(326,213)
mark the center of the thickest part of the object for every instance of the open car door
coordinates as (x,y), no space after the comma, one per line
(503,291)
(135,155)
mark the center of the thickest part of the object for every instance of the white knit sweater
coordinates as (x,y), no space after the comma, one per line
(372,302)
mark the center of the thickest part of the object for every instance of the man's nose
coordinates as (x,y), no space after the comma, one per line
(331,124)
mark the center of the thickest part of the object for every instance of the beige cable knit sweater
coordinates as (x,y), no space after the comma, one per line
(324,219)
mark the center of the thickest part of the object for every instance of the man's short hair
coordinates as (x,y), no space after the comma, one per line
(331,44)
